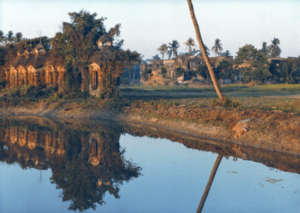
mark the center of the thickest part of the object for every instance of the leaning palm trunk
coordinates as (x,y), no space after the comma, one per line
(209,183)
(208,64)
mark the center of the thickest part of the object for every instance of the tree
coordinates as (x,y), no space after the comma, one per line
(286,72)
(156,57)
(199,53)
(18,37)
(189,44)
(264,49)
(274,49)
(226,53)
(252,63)
(10,36)
(78,43)
(163,49)
(203,71)
(163,72)
(179,71)
(260,67)
(173,48)
(201,45)
(217,48)
(224,70)
(1,36)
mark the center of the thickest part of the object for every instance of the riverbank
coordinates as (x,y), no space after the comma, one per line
(270,130)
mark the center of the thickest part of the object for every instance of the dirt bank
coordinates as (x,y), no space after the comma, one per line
(270,130)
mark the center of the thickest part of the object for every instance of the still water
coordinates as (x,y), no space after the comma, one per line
(91,166)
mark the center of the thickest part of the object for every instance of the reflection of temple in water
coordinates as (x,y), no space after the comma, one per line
(85,165)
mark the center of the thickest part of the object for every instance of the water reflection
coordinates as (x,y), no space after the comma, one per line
(85,164)
(87,161)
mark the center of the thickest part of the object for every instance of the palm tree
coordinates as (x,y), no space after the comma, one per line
(18,37)
(217,48)
(189,44)
(206,50)
(201,45)
(274,49)
(163,49)
(10,36)
(173,48)
(265,48)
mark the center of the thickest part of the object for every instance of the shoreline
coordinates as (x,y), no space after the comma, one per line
(235,131)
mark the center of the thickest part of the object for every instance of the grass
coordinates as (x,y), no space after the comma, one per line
(242,97)
(233,88)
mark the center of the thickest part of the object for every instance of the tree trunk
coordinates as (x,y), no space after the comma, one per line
(209,183)
(208,64)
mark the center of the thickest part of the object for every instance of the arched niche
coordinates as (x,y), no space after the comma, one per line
(61,74)
(32,140)
(14,134)
(94,76)
(51,75)
(22,138)
(95,152)
(13,77)
(22,73)
(33,75)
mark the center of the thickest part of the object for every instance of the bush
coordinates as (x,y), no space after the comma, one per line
(228,103)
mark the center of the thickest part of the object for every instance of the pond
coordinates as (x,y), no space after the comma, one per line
(102,166)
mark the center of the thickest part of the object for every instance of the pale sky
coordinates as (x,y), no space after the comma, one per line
(146,24)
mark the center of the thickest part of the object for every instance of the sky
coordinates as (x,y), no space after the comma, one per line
(146,24)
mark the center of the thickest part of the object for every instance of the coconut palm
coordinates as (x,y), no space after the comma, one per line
(274,49)
(200,53)
(265,48)
(173,48)
(163,49)
(202,48)
(217,48)
(189,44)
(10,36)
(18,37)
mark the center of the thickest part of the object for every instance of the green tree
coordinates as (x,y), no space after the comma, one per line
(224,70)
(78,43)
(163,72)
(287,71)
(260,67)
(163,49)
(226,53)
(189,44)
(199,53)
(245,54)
(265,49)
(254,63)
(1,36)
(156,57)
(10,36)
(173,48)
(274,49)
(179,71)
(18,37)
(217,48)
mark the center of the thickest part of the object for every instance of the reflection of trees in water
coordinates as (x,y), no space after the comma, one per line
(85,165)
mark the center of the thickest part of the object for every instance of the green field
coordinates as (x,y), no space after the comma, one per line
(285,97)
